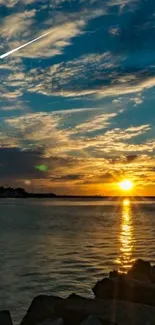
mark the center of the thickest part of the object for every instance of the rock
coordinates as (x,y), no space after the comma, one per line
(153,274)
(138,276)
(58,321)
(74,312)
(103,288)
(124,289)
(91,320)
(5,318)
(113,274)
(41,309)
(141,270)
(76,297)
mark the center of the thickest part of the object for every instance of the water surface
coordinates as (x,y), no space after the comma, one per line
(63,246)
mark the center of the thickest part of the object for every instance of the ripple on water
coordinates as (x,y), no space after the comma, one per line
(54,249)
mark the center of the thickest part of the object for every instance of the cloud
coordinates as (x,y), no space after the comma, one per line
(45,130)
(72,159)
(83,77)
(9,3)
(61,30)
(16,163)
(98,123)
(137,100)
(16,24)
(54,43)
(114,31)
(99,75)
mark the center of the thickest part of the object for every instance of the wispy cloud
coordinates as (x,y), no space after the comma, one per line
(60,31)
(99,122)
(16,24)
(45,130)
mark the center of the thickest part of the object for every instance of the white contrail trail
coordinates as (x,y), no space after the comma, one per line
(20,47)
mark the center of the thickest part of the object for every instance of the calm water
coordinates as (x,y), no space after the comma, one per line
(57,247)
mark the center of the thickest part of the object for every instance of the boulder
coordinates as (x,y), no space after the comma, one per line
(58,321)
(5,318)
(114,274)
(153,274)
(123,289)
(91,320)
(76,297)
(141,270)
(41,309)
(74,312)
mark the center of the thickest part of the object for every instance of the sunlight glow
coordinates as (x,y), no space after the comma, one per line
(126,237)
(126,185)
(126,202)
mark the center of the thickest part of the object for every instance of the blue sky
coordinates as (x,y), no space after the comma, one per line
(81,99)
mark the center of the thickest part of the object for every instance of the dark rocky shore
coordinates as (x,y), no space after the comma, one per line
(123,299)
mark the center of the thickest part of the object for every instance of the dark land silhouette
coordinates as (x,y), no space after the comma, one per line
(19,192)
(9,192)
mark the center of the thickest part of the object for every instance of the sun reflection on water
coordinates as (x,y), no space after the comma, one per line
(126,236)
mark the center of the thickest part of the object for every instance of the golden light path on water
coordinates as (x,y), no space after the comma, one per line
(126,236)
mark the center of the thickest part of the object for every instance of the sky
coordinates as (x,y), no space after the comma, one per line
(80,100)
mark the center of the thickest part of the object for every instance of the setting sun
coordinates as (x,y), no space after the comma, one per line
(126,185)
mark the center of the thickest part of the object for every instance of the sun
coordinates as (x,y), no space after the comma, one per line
(126,185)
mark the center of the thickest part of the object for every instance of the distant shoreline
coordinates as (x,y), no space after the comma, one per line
(9,192)
(52,196)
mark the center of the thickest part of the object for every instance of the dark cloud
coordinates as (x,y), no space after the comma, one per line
(15,163)
(131,158)
(69,177)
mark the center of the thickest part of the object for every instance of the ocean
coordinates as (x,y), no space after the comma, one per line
(56,246)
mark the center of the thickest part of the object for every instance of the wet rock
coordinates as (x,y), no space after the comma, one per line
(141,270)
(124,289)
(113,274)
(91,320)
(5,318)
(153,274)
(76,297)
(74,312)
(58,321)
(71,311)
(41,309)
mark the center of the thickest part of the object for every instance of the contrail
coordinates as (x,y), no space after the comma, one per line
(20,47)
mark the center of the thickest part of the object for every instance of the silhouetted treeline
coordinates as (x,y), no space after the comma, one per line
(9,192)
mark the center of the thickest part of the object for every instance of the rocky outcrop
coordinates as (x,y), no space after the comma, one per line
(40,310)
(91,320)
(142,271)
(137,286)
(46,309)
(124,289)
(5,318)
(76,297)
(58,321)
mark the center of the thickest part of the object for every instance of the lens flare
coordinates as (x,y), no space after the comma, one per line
(41,168)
